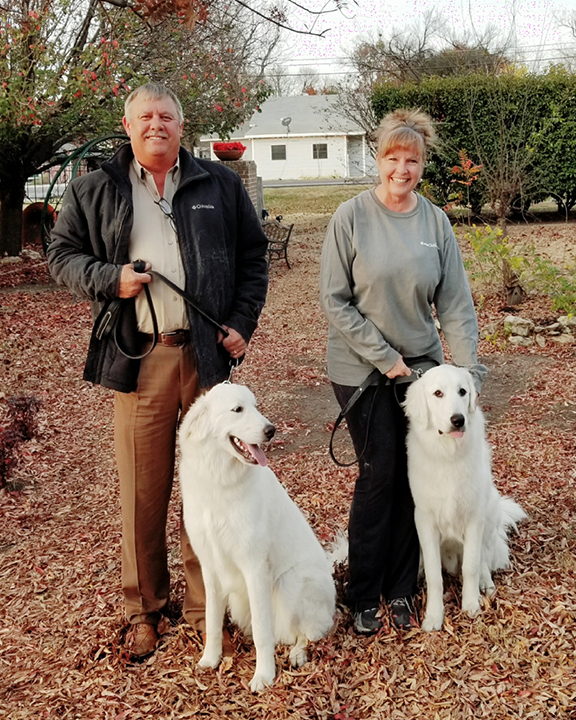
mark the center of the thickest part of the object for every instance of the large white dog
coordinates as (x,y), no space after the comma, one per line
(259,556)
(461,518)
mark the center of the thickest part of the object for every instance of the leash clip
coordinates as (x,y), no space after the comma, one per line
(234,362)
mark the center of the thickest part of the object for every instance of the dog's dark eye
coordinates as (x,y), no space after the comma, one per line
(238,408)
(462,392)
(438,393)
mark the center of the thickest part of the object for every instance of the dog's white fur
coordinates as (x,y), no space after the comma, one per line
(461,518)
(259,556)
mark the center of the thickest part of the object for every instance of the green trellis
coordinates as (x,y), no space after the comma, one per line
(95,151)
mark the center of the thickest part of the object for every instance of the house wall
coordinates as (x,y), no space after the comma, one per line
(299,162)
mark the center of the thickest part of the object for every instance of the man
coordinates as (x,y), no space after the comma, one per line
(192,221)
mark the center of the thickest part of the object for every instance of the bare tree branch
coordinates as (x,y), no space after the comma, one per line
(281,23)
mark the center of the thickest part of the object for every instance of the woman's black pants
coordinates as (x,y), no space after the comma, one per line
(383,543)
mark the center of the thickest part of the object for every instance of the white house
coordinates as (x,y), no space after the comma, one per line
(302,137)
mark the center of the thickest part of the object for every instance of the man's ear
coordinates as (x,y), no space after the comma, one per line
(126,125)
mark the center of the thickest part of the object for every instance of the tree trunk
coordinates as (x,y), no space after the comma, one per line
(515,293)
(11,205)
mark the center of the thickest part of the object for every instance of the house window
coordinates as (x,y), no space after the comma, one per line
(319,151)
(278,152)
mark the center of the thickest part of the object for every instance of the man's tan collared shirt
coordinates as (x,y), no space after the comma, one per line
(154,240)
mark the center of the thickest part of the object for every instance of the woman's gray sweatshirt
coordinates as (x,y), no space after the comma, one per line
(382,274)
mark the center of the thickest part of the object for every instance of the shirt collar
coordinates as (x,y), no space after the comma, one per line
(143,174)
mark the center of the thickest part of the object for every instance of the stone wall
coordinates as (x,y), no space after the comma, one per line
(522,331)
(247,171)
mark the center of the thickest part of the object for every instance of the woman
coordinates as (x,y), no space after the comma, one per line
(389,260)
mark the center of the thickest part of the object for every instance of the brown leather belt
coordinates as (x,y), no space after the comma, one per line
(171,339)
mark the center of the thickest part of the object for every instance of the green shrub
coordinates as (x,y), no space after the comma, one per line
(520,127)
(491,249)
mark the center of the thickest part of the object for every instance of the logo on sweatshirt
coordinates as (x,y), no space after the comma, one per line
(429,244)
(202,207)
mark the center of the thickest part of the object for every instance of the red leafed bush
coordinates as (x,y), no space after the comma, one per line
(225,146)
(20,425)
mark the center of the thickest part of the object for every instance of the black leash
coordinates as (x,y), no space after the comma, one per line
(372,379)
(110,320)
(418,367)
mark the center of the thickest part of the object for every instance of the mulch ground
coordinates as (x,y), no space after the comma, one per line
(61,617)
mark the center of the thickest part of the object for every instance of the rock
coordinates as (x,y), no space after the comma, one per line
(488,330)
(518,326)
(519,340)
(565,338)
(567,323)
(11,260)
(31,254)
(540,340)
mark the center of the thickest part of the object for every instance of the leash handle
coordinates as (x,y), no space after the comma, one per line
(418,367)
(111,319)
(372,379)
(140,267)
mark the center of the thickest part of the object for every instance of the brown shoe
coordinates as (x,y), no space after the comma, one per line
(141,640)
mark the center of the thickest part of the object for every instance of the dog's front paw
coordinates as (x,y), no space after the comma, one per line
(487,584)
(209,660)
(432,622)
(298,657)
(261,681)
(471,607)
(488,589)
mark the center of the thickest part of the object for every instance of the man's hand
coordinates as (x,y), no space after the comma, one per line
(234,343)
(399,369)
(131,282)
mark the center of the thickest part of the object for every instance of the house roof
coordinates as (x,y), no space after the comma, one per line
(308,115)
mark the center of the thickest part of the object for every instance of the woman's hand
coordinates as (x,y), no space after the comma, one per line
(399,369)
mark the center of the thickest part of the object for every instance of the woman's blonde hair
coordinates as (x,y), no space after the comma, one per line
(405,129)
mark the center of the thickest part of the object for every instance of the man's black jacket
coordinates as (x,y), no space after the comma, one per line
(223,251)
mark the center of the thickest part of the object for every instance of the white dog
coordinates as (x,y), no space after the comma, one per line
(462,520)
(259,556)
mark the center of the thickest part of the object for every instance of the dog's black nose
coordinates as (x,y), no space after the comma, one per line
(269,431)
(458,421)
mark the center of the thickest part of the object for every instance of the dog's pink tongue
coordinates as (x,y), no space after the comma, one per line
(258,454)
(457,434)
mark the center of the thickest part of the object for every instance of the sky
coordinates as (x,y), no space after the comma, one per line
(533,22)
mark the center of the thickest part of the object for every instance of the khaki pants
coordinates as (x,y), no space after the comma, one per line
(145,434)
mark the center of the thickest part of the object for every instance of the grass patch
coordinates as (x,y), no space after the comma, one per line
(311,200)
(324,199)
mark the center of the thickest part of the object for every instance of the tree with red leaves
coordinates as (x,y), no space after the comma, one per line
(66,65)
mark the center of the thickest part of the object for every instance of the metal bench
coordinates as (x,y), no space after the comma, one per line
(278,236)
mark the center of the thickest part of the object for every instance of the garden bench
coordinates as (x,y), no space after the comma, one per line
(278,236)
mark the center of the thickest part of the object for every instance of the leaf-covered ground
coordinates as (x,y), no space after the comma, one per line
(61,618)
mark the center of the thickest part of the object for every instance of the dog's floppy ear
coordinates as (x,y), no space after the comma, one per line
(416,404)
(195,421)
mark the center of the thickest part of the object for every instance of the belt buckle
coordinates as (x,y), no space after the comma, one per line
(172,340)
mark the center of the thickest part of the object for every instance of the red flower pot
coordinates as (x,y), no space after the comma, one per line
(228,154)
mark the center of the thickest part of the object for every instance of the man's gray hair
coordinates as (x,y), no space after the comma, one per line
(153,91)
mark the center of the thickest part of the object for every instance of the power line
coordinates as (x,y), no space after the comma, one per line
(516,51)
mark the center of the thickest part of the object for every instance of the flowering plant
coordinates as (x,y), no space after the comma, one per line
(225,146)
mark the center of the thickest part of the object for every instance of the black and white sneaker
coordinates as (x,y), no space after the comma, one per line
(402,613)
(367,621)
